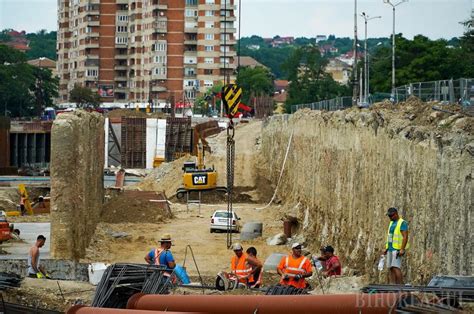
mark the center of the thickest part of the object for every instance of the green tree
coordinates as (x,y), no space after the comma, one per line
(84,97)
(309,81)
(24,89)
(42,44)
(256,81)
(419,60)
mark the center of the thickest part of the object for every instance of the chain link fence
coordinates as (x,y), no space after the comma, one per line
(334,104)
(459,91)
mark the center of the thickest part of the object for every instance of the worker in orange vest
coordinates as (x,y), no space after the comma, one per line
(294,268)
(242,265)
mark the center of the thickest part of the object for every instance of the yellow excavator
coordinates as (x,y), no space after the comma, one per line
(196,177)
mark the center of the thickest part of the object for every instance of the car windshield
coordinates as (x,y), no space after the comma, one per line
(222,215)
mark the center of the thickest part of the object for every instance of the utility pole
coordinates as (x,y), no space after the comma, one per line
(366,63)
(355,88)
(389,2)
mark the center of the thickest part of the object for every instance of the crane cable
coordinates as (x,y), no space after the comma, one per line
(230,179)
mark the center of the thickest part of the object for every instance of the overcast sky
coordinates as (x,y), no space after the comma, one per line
(267,18)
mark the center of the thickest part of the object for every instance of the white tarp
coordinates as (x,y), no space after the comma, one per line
(155,140)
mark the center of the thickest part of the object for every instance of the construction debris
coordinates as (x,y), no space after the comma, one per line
(9,280)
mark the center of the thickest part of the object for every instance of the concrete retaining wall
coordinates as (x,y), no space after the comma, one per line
(346,168)
(57,269)
(77,165)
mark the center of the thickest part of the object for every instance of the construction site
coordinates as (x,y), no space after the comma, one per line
(107,187)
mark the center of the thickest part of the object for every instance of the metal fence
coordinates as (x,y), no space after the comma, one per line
(459,91)
(329,105)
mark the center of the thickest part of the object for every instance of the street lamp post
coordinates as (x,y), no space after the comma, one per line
(366,67)
(354,65)
(389,2)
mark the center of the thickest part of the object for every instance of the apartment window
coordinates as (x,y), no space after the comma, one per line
(191,13)
(209,1)
(190,93)
(159,59)
(208,83)
(121,29)
(121,40)
(122,18)
(209,48)
(189,71)
(190,24)
(209,36)
(209,60)
(209,25)
(207,71)
(92,73)
(159,71)
(190,60)
(189,83)
(225,37)
(225,48)
(159,47)
(191,2)
(225,60)
(209,13)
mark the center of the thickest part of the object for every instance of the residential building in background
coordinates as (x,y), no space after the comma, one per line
(45,63)
(133,52)
(339,70)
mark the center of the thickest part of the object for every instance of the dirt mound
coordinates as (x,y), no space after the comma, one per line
(133,113)
(133,210)
(168,177)
(415,112)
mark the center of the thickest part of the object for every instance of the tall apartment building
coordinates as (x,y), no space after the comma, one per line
(134,51)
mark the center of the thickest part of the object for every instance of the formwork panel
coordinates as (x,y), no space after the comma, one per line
(133,142)
(178,138)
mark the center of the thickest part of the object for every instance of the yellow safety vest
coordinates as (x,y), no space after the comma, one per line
(397,239)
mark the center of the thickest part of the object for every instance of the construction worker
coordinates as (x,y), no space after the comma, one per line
(35,270)
(162,255)
(243,265)
(396,244)
(22,204)
(255,278)
(294,268)
(332,263)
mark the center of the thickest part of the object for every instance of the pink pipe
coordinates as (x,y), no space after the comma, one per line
(342,303)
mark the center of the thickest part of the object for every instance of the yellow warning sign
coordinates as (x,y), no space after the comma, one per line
(231,96)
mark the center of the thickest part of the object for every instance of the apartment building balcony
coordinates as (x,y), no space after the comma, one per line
(228,42)
(121,67)
(160,26)
(228,30)
(121,57)
(158,88)
(210,66)
(192,30)
(158,77)
(224,18)
(190,42)
(120,78)
(227,65)
(91,35)
(228,6)
(95,57)
(91,43)
(121,1)
(190,75)
(230,53)
(93,23)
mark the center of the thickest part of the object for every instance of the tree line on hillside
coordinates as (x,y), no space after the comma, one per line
(41,43)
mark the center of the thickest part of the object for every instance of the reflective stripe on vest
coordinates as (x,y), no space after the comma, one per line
(293,271)
(397,237)
(240,266)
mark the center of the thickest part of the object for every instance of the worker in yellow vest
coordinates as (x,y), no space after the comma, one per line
(395,245)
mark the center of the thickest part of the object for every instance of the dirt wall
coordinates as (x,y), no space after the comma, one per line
(345,168)
(77,165)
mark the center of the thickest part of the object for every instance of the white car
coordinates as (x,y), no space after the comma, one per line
(220,218)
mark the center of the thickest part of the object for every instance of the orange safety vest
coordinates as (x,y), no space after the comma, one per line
(294,266)
(240,267)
